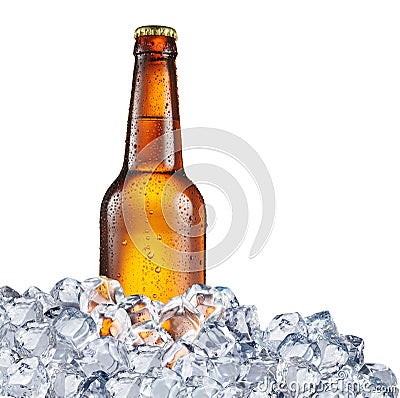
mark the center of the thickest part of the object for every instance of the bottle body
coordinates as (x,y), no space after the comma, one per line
(153,222)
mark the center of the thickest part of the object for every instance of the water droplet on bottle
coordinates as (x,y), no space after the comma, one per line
(158,269)
(124,242)
(159,237)
(150,255)
(154,296)
(151,212)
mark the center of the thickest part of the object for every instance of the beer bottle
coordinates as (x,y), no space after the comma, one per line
(152,221)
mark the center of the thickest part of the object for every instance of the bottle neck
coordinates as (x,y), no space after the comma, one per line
(153,141)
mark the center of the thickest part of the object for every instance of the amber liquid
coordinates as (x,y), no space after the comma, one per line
(152,219)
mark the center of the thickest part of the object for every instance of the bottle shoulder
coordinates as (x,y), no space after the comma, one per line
(177,181)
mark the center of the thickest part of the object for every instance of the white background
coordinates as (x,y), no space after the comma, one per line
(312,85)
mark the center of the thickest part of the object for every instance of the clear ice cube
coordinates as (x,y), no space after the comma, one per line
(148,333)
(103,354)
(180,319)
(36,340)
(140,309)
(355,348)
(21,310)
(256,372)
(94,386)
(65,351)
(225,370)
(27,378)
(211,302)
(297,377)
(100,290)
(215,341)
(283,325)
(75,327)
(334,354)
(47,300)
(320,324)
(4,321)
(161,383)
(175,351)
(232,391)
(65,380)
(202,387)
(381,372)
(124,384)
(143,358)
(67,292)
(192,365)
(7,294)
(7,357)
(296,345)
(243,322)
(111,320)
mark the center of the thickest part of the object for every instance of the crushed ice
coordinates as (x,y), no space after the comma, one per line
(86,339)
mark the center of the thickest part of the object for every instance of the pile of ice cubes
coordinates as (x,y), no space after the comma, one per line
(86,339)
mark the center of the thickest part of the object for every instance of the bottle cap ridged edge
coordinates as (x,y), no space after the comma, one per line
(155,30)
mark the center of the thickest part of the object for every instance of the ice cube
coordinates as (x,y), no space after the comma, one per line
(4,321)
(67,292)
(232,391)
(334,354)
(180,319)
(211,302)
(320,324)
(103,354)
(45,299)
(27,378)
(256,372)
(345,383)
(374,387)
(111,320)
(202,387)
(64,380)
(100,290)
(296,345)
(143,358)
(225,370)
(297,377)
(75,327)
(147,333)
(175,351)
(52,313)
(215,341)
(355,348)
(36,340)
(7,294)
(140,309)
(7,357)
(192,365)
(65,351)
(381,372)
(243,322)
(161,383)
(22,310)
(94,386)
(281,326)
(124,384)
(251,349)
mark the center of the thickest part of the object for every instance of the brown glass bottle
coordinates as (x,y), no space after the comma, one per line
(152,221)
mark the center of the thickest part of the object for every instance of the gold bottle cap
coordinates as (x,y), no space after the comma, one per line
(155,30)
